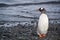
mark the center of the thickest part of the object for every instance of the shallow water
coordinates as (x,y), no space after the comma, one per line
(27,13)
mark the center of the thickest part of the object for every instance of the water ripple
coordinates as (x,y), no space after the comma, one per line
(25,4)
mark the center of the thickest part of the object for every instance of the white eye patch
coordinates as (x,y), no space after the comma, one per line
(41,8)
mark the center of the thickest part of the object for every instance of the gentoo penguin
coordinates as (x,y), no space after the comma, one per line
(43,23)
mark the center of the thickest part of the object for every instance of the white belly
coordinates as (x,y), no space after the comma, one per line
(43,24)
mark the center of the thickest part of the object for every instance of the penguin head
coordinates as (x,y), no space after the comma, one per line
(42,10)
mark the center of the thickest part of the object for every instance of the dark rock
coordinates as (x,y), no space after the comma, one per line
(20,32)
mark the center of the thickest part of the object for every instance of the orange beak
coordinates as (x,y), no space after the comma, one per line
(42,35)
(36,9)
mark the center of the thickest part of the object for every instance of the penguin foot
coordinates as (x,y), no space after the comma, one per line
(42,35)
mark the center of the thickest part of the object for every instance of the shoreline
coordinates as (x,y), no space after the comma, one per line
(20,32)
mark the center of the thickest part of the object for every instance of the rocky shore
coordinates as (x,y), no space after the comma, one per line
(20,32)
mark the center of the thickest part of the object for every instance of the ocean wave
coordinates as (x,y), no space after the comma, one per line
(26,4)
(53,12)
(3,5)
(20,16)
(28,17)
